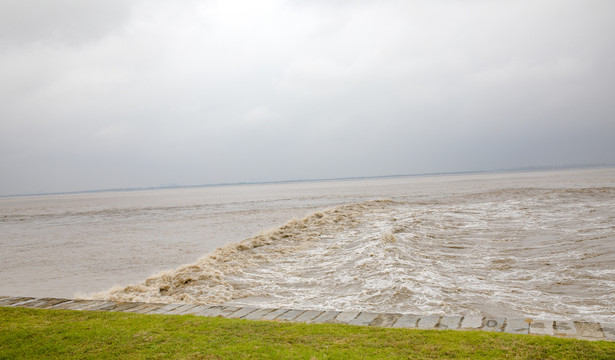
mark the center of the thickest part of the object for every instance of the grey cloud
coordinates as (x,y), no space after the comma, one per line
(145,93)
(72,22)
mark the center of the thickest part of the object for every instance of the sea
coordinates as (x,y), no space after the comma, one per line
(535,244)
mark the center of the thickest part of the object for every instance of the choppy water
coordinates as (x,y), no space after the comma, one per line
(536,244)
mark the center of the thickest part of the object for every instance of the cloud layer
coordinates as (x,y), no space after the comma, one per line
(142,93)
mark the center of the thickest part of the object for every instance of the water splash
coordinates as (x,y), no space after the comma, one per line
(515,252)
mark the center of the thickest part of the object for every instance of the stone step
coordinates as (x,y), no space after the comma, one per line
(557,328)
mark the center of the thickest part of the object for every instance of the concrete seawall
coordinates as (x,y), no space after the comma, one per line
(564,329)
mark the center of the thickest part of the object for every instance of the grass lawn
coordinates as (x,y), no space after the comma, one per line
(35,334)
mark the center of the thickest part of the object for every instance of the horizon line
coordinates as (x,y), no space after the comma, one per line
(290,181)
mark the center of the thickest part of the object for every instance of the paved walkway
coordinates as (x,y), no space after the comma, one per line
(565,329)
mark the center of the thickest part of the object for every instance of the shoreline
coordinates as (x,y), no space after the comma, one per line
(593,331)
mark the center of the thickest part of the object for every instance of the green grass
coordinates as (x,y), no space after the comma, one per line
(39,334)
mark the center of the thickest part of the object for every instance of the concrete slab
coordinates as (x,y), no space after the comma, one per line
(290,315)
(165,309)
(184,309)
(227,311)
(195,310)
(568,329)
(31,303)
(58,306)
(471,323)
(28,303)
(52,303)
(428,322)
(542,327)
(180,309)
(326,317)
(242,312)
(144,308)
(308,316)
(80,305)
(450,322)
(7,300)
(90,306)
(407,321)
(124,306)
(363,319)
(38,303)
(135,309)
(274,314)
(258,314)
(565,329)
(589,331)
(517,326)
(109,306)
(494,324)
(211,311)
(17,300)
(385,320)
(609,330)
(346,316)
(132,309)
(48,302)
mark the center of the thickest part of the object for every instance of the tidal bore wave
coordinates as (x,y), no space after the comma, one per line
(515,252)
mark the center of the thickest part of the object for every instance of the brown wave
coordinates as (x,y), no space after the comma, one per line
(205,282)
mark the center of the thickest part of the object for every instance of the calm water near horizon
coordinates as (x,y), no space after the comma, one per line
(536,244)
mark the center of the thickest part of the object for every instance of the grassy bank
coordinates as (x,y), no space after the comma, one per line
(29,333)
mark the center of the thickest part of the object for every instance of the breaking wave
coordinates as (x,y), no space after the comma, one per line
(513,252)
(209,280)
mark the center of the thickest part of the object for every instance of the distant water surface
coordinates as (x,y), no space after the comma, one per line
(509,244)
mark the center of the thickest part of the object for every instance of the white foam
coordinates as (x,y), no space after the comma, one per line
(521,252)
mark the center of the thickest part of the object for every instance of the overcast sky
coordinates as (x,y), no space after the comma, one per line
(115,94)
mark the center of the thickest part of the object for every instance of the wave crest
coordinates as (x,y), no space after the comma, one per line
(205,282)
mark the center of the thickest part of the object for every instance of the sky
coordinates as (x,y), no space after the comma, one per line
(123,94)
